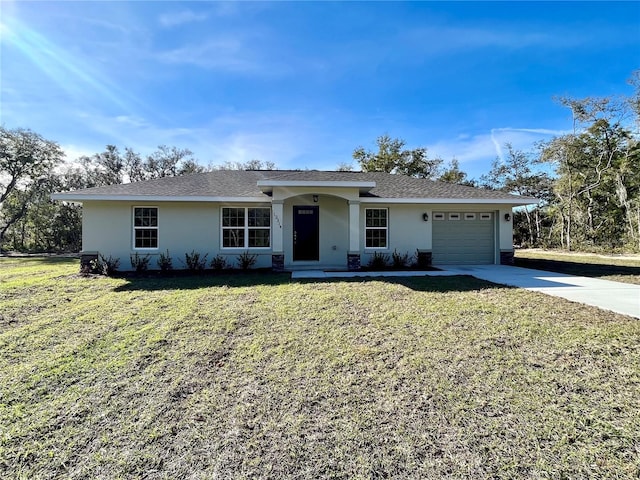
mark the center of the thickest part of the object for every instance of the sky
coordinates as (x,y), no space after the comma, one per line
(302,84)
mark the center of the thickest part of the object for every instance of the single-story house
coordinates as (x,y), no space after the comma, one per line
(298,219)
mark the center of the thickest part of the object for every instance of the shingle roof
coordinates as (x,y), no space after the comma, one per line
(243,184)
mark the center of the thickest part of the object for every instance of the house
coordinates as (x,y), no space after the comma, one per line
(298,219)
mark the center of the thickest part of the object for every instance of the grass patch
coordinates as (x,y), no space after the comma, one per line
(262,377)
(614,268)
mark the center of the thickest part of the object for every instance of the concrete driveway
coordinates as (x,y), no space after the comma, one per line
(615,296)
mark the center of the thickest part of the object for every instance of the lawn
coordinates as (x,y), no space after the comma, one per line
(258,376)
(607,267)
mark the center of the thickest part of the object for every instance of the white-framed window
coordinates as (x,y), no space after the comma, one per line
(485,216)
(246,227)
(438,216)
(145,228)
(469,216)
(376,227)
(454,216)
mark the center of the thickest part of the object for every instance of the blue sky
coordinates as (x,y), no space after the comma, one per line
(303,84)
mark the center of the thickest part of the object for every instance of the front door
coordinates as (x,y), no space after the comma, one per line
(306,233)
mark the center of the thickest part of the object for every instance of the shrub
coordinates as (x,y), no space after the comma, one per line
(195,262)
(400,260)
(164,262)
(247,260)
(139,263)
(379,260)
(219,263)
(105,265)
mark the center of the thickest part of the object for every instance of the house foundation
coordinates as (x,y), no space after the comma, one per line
(353,262)
(506,257)
(85,261)
(425,258)
(277,262)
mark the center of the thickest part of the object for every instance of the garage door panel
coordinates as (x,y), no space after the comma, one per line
(463,241)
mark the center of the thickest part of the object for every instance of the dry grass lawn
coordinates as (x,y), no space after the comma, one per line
(257,376)
(617,268)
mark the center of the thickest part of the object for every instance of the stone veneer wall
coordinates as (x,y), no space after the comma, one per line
(425,258)
(85,260)
(277,262)
(506,257)
(353,262)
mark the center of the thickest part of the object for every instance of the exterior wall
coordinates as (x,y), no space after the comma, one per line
(407,233)
(186,226)
(506,229)
(107,228)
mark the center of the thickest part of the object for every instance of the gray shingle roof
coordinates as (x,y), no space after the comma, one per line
(243,184)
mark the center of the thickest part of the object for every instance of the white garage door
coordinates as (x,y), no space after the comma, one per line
(463,238)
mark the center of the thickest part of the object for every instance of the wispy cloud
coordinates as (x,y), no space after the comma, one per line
(222,53)
(233,54)
(441,39)
(476,151)
(281,138)
(175,19)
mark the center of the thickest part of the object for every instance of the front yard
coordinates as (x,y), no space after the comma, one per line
(258,376)
(617,268)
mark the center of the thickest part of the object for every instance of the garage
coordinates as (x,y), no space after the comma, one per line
(463,238)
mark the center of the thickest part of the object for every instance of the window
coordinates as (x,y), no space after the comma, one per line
(469,216)
(485,216)
(246,227)
(438,216)
(145,227)
(454,216)
(376,227)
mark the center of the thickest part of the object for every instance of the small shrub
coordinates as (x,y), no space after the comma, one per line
(139,263)
(105,265)
(164,262)
(400,260)
(195,262)
(378,260)
(219,263)
(247,260)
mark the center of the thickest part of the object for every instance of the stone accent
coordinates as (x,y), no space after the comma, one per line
(424,258)
(85,261)
(506,257)
(277,262)
(353,262)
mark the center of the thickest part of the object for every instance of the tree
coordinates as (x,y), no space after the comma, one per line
(392,157)
(165,162)
(105,168)
(133,166)
(516,174)
(25,157)
(189,167)
(598,168)
(249,165)
(453,174)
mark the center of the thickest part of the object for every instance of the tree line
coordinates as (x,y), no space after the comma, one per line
(587,181)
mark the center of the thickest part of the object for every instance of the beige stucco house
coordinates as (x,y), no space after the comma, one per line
(298,219)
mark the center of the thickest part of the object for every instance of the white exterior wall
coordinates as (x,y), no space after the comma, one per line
(107,228)
(407,232)
(186,226)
